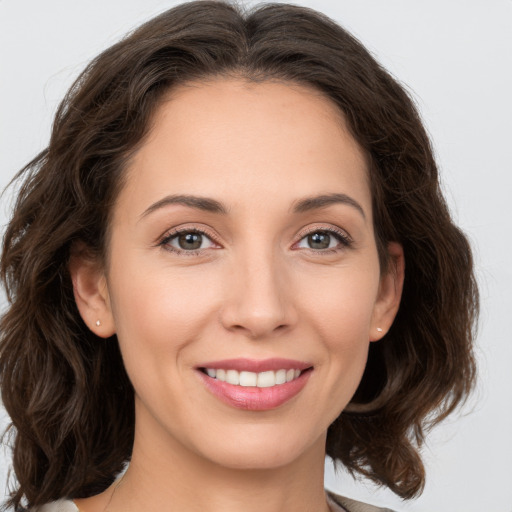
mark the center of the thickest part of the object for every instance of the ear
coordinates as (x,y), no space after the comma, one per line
(91,292)
(390,293)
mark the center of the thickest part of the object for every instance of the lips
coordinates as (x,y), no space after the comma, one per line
(255,385)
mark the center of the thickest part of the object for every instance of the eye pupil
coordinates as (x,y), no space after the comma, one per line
(319,240)
(190,240)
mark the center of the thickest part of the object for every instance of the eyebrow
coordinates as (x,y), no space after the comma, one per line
(325,200)
(213,206)
(200,203)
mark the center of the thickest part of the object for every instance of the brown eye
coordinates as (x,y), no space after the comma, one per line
(188,241)
(324,240)
(319,240)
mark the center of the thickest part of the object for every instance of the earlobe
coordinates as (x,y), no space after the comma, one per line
(390,293)
(91,293)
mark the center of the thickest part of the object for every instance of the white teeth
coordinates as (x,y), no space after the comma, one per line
(280,376)
(260,380)
(248,379)
(233,377)
(266,379)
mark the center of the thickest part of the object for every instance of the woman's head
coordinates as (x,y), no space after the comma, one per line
(66,213)
(242,242)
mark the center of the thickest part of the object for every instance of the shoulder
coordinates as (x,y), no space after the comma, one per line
(56,506)
(350,505)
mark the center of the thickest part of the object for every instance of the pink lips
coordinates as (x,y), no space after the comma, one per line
(253,365)
(253,398)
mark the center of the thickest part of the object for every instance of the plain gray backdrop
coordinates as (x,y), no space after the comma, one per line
(455,57)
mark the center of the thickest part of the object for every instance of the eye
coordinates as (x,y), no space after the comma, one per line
(190,241)
(324,240)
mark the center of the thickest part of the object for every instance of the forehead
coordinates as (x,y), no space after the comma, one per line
(239,139)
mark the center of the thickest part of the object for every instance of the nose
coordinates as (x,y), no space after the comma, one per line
(259,301)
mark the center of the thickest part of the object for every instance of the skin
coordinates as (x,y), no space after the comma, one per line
(256,289)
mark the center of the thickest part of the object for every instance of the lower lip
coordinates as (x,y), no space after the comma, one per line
(253,398)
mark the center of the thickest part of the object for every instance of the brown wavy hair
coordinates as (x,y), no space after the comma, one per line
(66,390)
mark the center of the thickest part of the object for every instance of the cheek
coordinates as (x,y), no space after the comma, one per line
(157,318)
(159,311)
(345,335)
(340,317)
(342,302)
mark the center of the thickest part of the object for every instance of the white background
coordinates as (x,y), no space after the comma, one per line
(456,57)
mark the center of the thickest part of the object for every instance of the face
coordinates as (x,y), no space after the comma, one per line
(243,280)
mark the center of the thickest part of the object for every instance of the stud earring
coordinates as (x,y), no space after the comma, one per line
(98,323)
(379,329)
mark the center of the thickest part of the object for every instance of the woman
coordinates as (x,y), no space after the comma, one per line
(233,258)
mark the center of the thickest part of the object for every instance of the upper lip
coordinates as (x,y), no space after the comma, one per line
(257,365)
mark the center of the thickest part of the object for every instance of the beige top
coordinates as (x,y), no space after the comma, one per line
(336,504)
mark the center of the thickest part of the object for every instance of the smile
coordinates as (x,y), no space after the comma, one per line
(247,379)
(255,385)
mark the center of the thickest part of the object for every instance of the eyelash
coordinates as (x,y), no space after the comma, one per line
(344,240)
(180,231)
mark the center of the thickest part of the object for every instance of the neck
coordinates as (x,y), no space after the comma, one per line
(167,476)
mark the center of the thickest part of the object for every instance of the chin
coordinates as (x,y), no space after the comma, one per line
(251,461)
(263,452)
